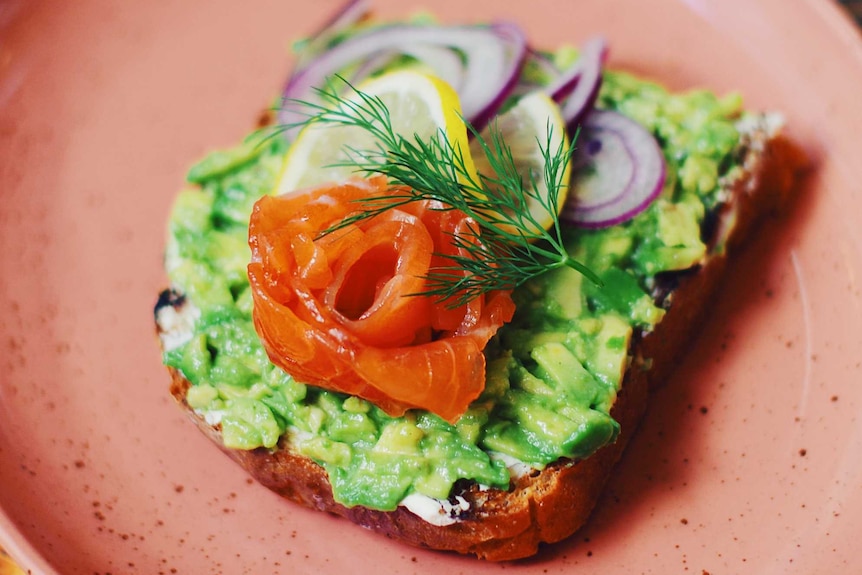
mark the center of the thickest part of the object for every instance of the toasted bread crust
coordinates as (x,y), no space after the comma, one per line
(551,505)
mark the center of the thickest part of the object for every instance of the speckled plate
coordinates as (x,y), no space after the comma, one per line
(750,460)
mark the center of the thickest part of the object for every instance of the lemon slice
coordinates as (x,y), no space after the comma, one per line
(525,129)
(419,105)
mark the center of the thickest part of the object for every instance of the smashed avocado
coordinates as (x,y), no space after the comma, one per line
(552,373)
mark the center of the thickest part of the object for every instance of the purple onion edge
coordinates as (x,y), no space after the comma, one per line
(625,216)
(519,43)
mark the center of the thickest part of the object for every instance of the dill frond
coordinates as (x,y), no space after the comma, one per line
(510,246)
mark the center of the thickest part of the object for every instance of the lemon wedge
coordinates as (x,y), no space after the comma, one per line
(525,129)
(419,105)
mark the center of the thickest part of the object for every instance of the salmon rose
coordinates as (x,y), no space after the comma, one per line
(344,310)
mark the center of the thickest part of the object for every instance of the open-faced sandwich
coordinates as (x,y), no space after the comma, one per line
(432,294)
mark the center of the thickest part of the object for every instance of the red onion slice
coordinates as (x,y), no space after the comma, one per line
(576,88)
(514,48)
(491,58)
(618,170)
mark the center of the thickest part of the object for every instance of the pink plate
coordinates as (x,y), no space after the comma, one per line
(750,460)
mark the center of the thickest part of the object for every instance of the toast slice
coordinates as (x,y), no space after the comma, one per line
(549,504)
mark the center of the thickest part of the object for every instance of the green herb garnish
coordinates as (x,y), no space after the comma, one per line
(509,247)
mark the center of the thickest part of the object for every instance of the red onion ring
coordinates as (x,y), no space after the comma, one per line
(618,171)
(576,89)
(492,57)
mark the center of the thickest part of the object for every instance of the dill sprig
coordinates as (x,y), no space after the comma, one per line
(509,246)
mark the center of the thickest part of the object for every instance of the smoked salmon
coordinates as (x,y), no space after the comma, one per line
(345,310)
